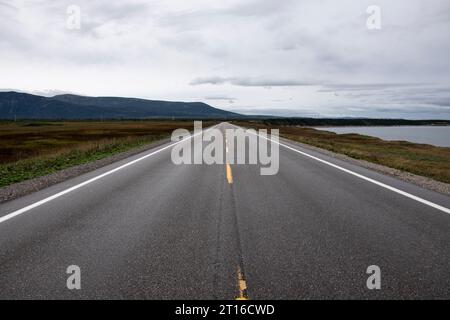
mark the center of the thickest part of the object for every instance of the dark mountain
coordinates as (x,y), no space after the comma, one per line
(71,107)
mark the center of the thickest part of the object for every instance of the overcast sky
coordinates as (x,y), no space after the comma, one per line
(286,57)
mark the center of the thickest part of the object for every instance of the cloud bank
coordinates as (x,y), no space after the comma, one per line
(281,57)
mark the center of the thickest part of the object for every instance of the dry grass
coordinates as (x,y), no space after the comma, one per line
(33,149)
(23,140)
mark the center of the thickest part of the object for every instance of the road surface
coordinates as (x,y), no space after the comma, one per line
(144,228)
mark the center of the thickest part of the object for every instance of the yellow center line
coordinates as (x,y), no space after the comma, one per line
(242,285)
(229,174)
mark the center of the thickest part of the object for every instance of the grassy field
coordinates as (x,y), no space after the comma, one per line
(32,149)
(424,160)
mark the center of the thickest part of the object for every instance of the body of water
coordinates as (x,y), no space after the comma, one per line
(434,135)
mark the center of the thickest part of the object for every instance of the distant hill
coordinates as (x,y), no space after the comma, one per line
(14,105)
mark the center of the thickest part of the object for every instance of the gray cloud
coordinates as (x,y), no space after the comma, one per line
(368,86)
(317,57)
(251,82)
(210,80)
(270,83)
(221,98)
(260,8)
(6,6)
(440,102)
(282,112)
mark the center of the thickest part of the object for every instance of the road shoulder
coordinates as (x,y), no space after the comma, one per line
(423,182)
(27,187)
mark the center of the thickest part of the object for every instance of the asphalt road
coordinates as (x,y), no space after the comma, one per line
(155,230)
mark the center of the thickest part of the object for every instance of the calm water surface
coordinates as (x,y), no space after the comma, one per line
(434,135)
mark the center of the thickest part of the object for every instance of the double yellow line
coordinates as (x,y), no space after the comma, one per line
(242,283)
(229,172)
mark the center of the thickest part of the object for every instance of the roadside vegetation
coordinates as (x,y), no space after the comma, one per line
(33,149)
(420,159)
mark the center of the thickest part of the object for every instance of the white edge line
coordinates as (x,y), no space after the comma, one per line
(78,186)
(403,193)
